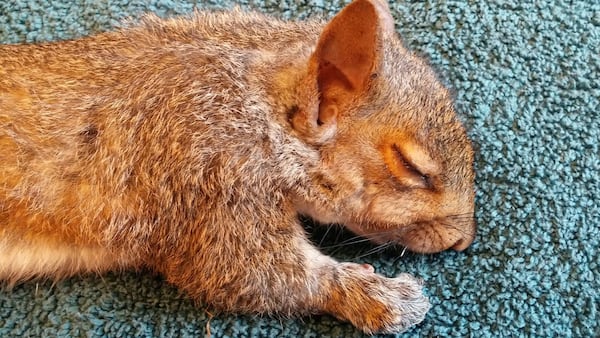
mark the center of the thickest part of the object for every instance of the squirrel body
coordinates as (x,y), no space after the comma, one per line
(190,145)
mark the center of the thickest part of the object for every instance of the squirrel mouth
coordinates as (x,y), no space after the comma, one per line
(436,236)
(423,237)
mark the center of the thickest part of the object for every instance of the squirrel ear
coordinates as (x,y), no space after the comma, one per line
(347,54)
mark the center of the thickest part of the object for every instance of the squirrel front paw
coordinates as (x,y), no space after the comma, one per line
(377,304)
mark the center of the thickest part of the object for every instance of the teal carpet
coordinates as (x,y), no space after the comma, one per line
(526,75)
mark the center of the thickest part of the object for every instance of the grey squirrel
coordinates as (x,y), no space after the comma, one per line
(189,146)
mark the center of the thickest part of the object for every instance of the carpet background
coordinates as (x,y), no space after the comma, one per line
(527,80)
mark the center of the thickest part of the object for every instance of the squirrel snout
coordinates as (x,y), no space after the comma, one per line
(462,244)
(435,237)
(466,240)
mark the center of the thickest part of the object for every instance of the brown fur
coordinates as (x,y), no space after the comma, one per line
(190,145)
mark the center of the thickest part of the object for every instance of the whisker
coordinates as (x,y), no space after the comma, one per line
(462,214)
(337,238)
(457,228)
(337,250)
(374,250)
(399,256)
(326,232)
(350,241)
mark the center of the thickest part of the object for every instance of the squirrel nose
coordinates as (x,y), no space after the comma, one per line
(468,236)
(463,243)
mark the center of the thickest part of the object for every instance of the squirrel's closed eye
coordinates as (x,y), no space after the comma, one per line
(410,165)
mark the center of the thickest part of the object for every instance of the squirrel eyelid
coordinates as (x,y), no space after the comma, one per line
(411,168)
(405,162)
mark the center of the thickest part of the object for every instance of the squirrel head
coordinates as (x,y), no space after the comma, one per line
(396,164)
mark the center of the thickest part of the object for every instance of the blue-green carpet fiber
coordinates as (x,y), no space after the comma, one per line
(526,75)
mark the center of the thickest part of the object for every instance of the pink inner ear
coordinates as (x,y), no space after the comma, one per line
(348,43)
(346,55)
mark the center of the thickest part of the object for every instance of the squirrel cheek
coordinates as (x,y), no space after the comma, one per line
(391,210)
